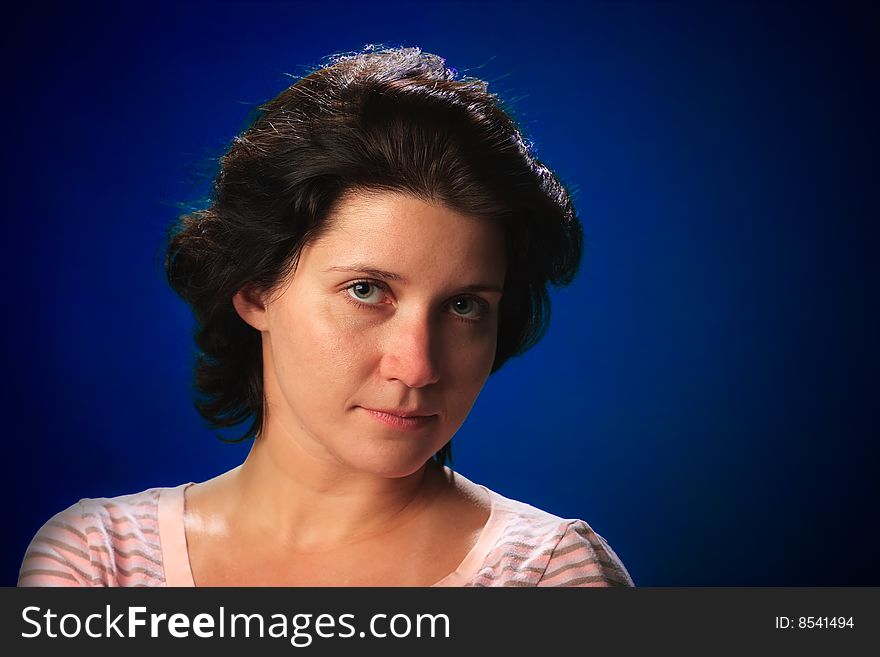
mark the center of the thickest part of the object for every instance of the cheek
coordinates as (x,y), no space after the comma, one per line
(330,348)
(472,352)
(468,363)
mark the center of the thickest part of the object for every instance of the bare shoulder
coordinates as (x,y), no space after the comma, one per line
(204,506)
(460,513)
(462,496)
(206,498)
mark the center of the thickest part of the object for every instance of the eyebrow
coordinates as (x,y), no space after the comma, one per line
(392,276)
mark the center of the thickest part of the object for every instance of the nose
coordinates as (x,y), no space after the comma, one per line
(409,353)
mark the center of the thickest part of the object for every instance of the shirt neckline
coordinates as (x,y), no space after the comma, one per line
(172,536)
(175,552)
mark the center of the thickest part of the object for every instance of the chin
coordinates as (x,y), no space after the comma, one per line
(388,464)
(395,471)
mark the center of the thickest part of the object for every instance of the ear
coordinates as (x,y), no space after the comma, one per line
(250,307)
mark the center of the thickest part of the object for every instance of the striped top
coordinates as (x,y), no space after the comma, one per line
(139,540)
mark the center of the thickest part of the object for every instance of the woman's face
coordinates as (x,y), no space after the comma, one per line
(378,345)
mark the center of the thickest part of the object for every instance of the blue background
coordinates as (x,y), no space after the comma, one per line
(706,396)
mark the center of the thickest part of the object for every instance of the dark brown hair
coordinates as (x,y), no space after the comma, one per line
(393,120)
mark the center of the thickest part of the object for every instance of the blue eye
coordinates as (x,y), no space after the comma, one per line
(364,291)
(468,308)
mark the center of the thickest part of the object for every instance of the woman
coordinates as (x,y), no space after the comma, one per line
(380,241)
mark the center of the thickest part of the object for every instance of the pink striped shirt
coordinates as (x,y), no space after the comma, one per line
(139,540)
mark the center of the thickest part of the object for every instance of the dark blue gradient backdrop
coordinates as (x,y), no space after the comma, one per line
(706,396)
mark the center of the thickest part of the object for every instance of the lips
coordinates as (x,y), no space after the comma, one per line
(401,412)
(402,419)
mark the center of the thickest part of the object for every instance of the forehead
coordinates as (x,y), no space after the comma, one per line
(400,232)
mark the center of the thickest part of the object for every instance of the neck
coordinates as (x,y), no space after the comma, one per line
(311,504)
